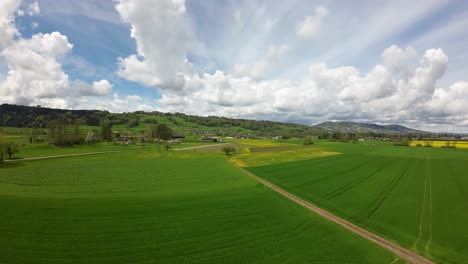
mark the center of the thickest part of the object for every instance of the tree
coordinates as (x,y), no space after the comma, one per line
(91,138)
(7,148)
(229,150)
(106,129)
(163,132)
(11,148)
(151,131)
(133,123)
(3,148)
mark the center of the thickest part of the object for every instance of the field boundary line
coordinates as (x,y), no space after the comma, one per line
(68,155)
(396,249)
(200,147)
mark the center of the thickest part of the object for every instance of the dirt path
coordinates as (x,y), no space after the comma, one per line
(67,155)
(398,250)
(202,146)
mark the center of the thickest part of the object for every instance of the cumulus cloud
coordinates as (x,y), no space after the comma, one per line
(331,93)
(399,89)
(161,46)
(35,74)
(101,88)
(34,71)
(8,30)
(312,25)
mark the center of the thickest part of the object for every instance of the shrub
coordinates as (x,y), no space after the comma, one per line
(133,123)
(308,141)
(229,150)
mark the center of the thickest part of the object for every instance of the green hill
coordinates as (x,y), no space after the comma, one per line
(136,122)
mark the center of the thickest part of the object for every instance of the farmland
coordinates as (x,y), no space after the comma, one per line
(440,144)
(413,196)
(153,206)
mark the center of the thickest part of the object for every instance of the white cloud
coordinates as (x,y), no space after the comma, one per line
(264,65)
(312,25)
(113,103)
(33,9)
(101,88)
(34,25)
(162,46)
(399,89)
(35,74)
(34,71)
(325,93)
(133,98)
(8,30)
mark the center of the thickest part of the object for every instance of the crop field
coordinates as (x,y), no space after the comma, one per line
(440,144)
(155,206)
(272,155)
(416,197)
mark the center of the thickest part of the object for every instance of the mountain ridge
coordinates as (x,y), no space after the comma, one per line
(357,127)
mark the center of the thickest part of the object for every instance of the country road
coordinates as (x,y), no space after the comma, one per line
(396,249)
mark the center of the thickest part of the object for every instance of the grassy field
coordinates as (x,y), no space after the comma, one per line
(414,196)
(160,207)
(44,149)
(253,157)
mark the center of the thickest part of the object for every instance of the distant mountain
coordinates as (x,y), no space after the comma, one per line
(351,127)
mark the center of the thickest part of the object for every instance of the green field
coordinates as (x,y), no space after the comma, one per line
(414,196)
(160,207)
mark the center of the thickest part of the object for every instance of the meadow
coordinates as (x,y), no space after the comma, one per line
(153,206)
(416,197)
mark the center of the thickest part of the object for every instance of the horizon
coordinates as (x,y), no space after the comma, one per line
(302,62)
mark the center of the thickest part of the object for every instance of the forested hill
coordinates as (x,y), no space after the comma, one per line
(351,127)
(38,117)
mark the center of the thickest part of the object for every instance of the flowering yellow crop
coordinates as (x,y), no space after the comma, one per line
(440,144)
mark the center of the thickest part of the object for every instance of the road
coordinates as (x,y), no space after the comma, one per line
(396,249)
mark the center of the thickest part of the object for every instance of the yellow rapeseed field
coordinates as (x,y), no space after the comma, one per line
(439,144)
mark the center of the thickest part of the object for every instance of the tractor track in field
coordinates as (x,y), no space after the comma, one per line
(396,249)
(350,185)
(386,192)
(421,217)
(427,199)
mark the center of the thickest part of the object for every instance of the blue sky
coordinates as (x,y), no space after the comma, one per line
(302,61)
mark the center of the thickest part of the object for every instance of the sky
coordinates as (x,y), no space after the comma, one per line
(301,61)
